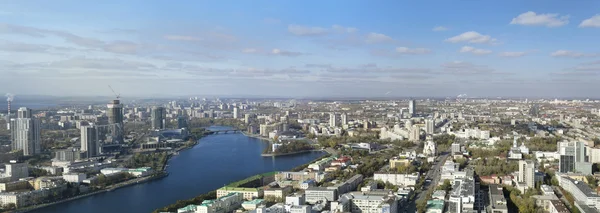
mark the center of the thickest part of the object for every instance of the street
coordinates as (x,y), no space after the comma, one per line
(434,175)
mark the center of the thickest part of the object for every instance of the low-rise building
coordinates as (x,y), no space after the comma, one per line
(365,202)
(435,206)
(252,204)
(398,179)
(226,203)
(278,193)
(497,199)
(315,194)
(295,200)
(74,177)
(14,185)
(247,193)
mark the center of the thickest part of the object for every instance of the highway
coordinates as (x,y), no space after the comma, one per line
(434,175)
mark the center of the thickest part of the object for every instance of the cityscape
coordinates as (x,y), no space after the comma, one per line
(300,106)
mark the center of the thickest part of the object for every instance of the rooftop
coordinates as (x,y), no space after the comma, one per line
(435,204)
(255,201)
(238,189)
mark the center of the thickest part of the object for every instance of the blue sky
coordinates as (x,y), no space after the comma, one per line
(301,48)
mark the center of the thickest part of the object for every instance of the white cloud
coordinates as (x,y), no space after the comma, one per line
(549,19)
(594,21)
(181,38)
(342,29)
(306,31)
(571,54)
(512,54)
(439,28)
(285,53)
(413,51)
(378,38)
(464,68)
(472,37)
(474,51)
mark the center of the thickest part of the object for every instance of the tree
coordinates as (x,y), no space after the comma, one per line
(446,186)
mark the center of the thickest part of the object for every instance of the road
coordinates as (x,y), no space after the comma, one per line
(434,175)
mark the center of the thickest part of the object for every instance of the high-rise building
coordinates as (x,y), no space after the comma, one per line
(16,170)
(344,118)
(411,107)
(527,173)
(429,126)
(89,141)
(573,158)
(248,118)
(115,116)
(25,132)
(181,122)
(115,112)
(158,117)
(235,113)
(415,133)
(333,119)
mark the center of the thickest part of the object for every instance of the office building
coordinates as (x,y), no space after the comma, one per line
(411,107)
(583,194)
(16,170)
(397,179)
(527,173)
(158,117)
(315,194)
(573,158)
(69,154)
(429,126)
(89,141)
(235,113)
(333,119)
(365,202)
(25,132)
(344,118)
(181,122)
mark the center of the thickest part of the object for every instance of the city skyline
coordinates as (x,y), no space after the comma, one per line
(309,49)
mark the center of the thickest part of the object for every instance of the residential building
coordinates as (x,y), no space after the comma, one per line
(300,209)
(278,193)
(247,193)
(429,126)
(398,179)
(344,118)
(360,202)
(69,154)
(25,132)
(558,206)
(497,200)
(235,113)
(399,162)
(252,204)
(225,203)
(333,119)
(16,170)
(415,133)
(527,173)
(89,141)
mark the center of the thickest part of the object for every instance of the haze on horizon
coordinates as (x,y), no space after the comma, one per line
(301,49)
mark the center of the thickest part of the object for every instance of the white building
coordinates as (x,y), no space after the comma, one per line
(527,173)
(315,194)
(429,149)
(226,203)
(580,191)
(25,132)
(429,126)
(360,202)
(74,177)
(398,179)
(295,199)
(333,119)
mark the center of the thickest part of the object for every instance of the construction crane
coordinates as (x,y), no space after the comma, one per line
(118,95)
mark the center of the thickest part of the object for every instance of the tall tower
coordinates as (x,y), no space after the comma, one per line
(430,126)
(332,119)
(115,112)
(527,173)
(411,107)
(344,119)
(89,140)
(158,117)
(25,132)
(235,113)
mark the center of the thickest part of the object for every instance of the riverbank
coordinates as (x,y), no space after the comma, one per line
(255,136)
(112,188)
(291,153)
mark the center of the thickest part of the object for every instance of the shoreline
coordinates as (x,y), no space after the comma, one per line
(291,153)
(131,182)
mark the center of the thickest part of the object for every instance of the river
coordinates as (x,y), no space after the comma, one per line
(216,160)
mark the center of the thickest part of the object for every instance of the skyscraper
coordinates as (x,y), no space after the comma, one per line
(115,118)
(573,158)
(332,119)
(158,117)
(235,113)
(527,173)
(429,126)
(344,119)
(411,107)
(89,141)
(25,132)
(115,112)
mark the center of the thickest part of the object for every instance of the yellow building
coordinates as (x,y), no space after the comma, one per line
(399,162)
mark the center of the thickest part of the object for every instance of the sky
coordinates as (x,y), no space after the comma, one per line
(337,48)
